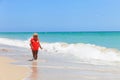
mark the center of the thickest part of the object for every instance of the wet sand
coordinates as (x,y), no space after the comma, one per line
(12,72)
(83,72)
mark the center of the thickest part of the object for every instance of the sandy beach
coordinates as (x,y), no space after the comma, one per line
(9,71)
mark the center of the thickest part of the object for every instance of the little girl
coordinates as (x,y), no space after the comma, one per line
(35,45)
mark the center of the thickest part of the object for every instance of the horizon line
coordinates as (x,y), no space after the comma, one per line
(53,31)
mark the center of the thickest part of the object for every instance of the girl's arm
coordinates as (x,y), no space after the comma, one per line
(31,44)
(40,46)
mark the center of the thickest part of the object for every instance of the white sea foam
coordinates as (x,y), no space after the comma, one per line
(79,51)
(14,42)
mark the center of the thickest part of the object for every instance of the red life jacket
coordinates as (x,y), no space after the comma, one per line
(35,44)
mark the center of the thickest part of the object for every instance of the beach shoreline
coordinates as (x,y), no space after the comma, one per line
(49,67)
(80,60)
(10,71)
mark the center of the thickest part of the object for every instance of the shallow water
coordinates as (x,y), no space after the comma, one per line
(53,67)
(76,72)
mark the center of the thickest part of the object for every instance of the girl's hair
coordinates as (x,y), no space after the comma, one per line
(35,34)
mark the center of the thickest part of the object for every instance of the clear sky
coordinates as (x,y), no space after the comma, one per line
(59,15)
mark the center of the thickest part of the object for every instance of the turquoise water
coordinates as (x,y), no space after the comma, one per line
(106,39)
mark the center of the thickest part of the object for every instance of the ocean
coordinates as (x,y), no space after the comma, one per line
(66,55)
(105,39)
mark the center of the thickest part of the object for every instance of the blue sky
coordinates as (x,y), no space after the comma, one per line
(59,15)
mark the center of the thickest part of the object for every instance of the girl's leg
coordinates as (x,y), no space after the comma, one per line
(36,54)
(33,53)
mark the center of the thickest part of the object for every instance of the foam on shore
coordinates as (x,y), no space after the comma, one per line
(80,51)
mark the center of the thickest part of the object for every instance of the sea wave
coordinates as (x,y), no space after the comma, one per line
(79,51)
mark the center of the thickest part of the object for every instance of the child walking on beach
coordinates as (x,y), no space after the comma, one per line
(35,45)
